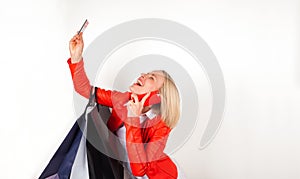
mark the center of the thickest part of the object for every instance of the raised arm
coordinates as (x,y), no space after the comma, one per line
(80,81)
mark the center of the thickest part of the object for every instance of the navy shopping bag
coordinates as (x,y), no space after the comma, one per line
(61,163)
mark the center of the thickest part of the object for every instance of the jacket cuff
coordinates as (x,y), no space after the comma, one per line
(74,67)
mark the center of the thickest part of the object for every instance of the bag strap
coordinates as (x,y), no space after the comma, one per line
(92,98)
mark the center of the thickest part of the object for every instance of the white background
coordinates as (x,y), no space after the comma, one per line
(255,42)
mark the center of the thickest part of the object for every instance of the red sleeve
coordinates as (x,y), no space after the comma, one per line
(143,157)
(82,84)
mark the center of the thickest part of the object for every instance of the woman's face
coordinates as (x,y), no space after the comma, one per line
(151,81)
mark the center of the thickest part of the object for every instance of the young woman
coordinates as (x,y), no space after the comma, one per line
(144,127)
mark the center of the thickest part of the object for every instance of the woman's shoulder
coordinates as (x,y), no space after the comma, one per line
(157,123)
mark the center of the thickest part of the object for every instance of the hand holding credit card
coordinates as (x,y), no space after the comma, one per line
(76,44)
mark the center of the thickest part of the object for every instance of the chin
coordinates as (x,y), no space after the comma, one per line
(135,91)
(132,89)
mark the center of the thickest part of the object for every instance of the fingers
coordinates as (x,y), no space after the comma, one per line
(133,110)
(134,96)
(73,39)
(135,106)
(77,37)
(145,98)
(136,100)
(130,103)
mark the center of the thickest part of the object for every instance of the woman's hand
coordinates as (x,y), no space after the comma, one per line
(135,107)
(76,47)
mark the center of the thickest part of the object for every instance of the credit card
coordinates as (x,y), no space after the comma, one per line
(83,27)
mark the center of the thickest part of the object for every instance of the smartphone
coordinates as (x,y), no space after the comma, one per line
(83,27)
(154,98)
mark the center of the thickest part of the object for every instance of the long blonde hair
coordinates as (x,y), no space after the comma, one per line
(170,101)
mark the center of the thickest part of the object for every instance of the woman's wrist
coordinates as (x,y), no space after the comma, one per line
(76,59)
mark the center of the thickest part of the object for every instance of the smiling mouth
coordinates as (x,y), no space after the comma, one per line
(139,83)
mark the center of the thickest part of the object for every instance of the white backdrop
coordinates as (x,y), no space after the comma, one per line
(255,42)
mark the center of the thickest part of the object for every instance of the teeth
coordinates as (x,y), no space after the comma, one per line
(140,83)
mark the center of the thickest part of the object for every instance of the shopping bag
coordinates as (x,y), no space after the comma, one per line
(79,157)
(61,163)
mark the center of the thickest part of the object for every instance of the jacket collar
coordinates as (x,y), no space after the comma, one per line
(149,114)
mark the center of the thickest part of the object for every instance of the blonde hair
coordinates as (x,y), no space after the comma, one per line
(170,101)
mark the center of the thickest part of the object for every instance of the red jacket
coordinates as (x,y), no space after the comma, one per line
(145,144)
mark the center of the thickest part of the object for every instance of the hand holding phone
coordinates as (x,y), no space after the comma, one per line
(134,108)
(154,98)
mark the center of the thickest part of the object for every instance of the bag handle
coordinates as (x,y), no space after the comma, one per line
(92,98)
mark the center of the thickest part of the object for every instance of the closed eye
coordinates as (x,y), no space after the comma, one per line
(152,78)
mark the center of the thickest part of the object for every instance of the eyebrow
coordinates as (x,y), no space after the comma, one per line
(151,73)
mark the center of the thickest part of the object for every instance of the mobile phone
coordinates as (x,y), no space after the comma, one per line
(83,27)
(154,98)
